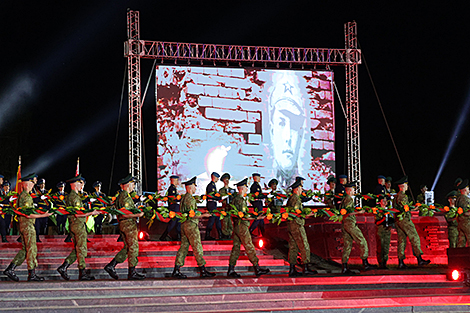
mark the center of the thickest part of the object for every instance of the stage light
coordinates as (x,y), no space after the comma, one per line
(261,243)
(456,275)
(143,236)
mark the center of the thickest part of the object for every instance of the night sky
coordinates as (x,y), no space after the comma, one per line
(63,65)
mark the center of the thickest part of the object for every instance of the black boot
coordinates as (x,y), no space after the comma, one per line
(37,239)
(260,271)
(367,266)
(422,262)
(383,265)
(401,265)
(177,274)
(306,271)
(4,239)
(19,239)
(110,268)
(293,272)
(68,238)
(63,270)
(164,236)
(346,270)
(221,236)
(10,272)
(208,235)
(205,273)
(33,277)
(133,275)
(120,239)
(231,272)
(178,237)
(83,275)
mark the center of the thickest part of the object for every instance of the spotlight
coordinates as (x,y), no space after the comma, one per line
(143,236)
(261,243)
(456,275)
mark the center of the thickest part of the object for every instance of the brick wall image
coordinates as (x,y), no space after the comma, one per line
(243,120)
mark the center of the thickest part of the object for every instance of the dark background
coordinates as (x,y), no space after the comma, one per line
(63,65)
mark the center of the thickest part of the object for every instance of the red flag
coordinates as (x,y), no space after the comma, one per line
(18,176)
(77,171)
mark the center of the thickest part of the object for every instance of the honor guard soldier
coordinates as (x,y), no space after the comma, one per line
(342,180)
(463,219)
(173,205)
(380,188)
(211,190)
(452,223)
(298,241)
(301,181)
(61,219)
(421,198)
(226,193)
(41,201)
(457,182)
(242,236)
(384,232)
(1,183)
(99,218)
(29,250)
(351,232)
(129,232)
(258,203)
(5,219)
(190,234)
(330,200)
(77,230)
(274,204)
(405,227)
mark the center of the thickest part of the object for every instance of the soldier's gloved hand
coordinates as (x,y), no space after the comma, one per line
(224,197)
(43,197)
(12,198)
(35,205)
(92,200)
(270,196)
(142,198)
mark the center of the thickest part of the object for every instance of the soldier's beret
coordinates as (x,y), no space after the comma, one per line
(457,181)
(29,177)
(6,183)
(296,184)
(192,181)
(41,181)
(273,181)
(97,183)
(463,184)
(388,179)
(243,182)
(256,175)
(174,177)
(422,186)
(380,177)
(75,179)
(331,179)
(350,185)
(60,184)
(225,175)
(402,180)
(129,178)
(215,174)
(452,194)
(342,176)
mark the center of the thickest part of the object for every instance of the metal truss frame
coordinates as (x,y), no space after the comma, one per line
(136,49)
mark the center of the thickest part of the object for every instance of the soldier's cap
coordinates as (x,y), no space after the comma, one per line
(342,176)
(41,181)
(6,183)
(75,179)
(215,174)
(190,182)
(34,175)
(388,179)
(380,177)
(256,175)
(129,178)
(60,184)
(296,184)
(243,182)
(457,181)
(299,178)
(29,177)
(402,180)
(452,194)
(225,176)
(350,185)
(174,177)
(272,182)
(463,184)
(422,186)
(331,179)
(97,183)
(1,176)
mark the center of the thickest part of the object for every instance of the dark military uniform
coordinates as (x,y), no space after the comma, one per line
(189,234)
(463,221)
(175,207)
(78,231)
(406,228)
(351,232)
(274,204)
(257,205)
(60,219)
(227,226)
(98,218)
(421,198)
(298,240)
(5,219)
(41,223)
(29,250)
(212,205)
(452,230)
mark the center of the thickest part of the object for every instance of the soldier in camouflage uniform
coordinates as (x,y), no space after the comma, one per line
(298,241)
(28,235)
(463,219)
(190,234)
(78,231)
(405,227)
(241,234)
(351,232)
(421,198)
(274,203)
(452,223)
(226,193)
(384,233)
(129,232)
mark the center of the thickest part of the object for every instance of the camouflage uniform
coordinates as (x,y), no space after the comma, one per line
(274,204)
(29,250)
(77,228)
(463,221)
(297,236)
(452,231)
(241,234)
(421,199)
(227,226)
(129,232)
(406,228)
(189,234)
(351,232)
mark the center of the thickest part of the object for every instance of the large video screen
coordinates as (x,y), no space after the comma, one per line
(279,123)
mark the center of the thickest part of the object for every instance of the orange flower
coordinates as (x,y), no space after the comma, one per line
(102,208)
(217,194)
(343,211)
(240,214)
(150,197)
(61,197)
(269,216)
(165,199)
(229,193)
(446,208)
(340,194)
(298,211)
(358,208)
(82,209)
(113,198)
(171,214)
(418,204)
(460,211)
(314,210)
(223,213)
(432,207)
(256,193)
(285,215)
(192,213)
(178,197)
(61,208)
(406,208)
(304,194)
(374,210)
(204,197)
(136,197)
(255,213)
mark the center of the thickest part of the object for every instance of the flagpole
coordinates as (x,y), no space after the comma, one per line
(77,171)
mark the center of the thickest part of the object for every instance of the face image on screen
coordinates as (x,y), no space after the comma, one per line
(279,123)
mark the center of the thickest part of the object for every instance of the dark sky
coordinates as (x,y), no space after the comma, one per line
(62,71)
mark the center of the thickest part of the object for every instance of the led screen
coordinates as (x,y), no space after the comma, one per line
(279,123)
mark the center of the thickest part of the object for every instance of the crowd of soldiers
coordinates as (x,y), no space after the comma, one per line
(239,228)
